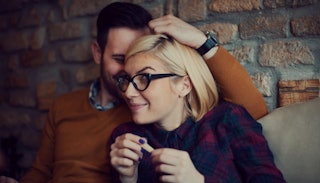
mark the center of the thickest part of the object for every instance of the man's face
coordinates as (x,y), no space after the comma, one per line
(119,40)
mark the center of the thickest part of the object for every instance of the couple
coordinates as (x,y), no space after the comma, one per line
(207,133)
(176,109)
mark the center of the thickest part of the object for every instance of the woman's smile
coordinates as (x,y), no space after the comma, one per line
(135,107)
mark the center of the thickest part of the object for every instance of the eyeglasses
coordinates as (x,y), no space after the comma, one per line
(139,81)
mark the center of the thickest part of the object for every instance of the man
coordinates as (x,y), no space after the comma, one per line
(74,143)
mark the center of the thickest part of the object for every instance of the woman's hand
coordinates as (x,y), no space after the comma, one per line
(4,179)
(175,166)
(125,154)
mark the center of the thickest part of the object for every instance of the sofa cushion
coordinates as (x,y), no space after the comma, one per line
(293,134)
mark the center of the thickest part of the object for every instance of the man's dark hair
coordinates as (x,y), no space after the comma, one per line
(120,14)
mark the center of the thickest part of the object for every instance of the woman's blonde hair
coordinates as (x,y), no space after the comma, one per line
(182,60)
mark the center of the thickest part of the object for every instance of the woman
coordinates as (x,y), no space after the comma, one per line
(196,138)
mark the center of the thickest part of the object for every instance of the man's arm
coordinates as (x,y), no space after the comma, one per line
(234,82)
(41,170)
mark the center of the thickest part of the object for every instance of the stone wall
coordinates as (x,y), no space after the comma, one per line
(45,52)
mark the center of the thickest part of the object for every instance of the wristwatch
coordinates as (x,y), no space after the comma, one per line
(212,41)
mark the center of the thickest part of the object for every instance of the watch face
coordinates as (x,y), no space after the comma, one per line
(212,36)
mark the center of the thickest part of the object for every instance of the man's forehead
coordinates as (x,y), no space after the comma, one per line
(122,34)
(119,39)
(143,31)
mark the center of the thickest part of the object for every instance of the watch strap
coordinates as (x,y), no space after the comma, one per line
(211,42)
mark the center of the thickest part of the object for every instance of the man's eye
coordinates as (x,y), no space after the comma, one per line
(119,59)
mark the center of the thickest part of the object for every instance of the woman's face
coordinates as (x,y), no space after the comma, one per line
(161,102)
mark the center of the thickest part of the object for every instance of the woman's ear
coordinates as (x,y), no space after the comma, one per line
(96,52)
(186,86)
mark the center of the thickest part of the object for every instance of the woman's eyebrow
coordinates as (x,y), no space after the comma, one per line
(145,68)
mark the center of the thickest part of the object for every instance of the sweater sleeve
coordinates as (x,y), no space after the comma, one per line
(41,170)
(235,83)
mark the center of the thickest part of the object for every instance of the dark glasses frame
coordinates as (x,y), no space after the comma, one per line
(121,79)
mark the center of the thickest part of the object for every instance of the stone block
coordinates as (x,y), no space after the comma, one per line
(32,18)
(263,83)
(79,52)
(13,62)
(22,99)
(33,58)
(243,54)
(156,11)
(274,26)
(14,41)
(190,10)
(88,73)
(226,6)
(288,3)
(65,30)
(14,118)
(85,7)
(282,54)
(17,79)
(304,26)
(297,91)
(226,32)
(37,38)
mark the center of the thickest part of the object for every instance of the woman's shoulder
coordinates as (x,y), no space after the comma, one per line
(226,108)
(227,113)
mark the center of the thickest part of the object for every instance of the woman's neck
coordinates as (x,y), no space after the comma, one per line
(172,124)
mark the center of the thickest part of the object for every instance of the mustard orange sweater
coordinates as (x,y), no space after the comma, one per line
(74,141)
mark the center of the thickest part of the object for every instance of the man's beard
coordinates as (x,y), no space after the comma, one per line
(110,85)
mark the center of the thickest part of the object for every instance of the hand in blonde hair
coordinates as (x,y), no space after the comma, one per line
(179,30)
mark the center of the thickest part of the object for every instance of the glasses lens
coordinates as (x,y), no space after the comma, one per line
(122,83)
(141,81)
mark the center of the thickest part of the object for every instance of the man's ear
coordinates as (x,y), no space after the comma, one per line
(96,52)
(186,86)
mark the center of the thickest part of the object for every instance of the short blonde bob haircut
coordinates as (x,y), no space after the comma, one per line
(182,60)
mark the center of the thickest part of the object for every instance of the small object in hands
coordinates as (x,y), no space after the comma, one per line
(145,146)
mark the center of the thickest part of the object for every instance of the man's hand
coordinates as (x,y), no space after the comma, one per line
(179,30)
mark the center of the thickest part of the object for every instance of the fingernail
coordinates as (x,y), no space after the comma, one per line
(143,151)
(141,141)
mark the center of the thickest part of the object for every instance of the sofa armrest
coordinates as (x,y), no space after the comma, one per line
(293,134)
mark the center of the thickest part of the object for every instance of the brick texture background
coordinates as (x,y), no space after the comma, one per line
(45,52)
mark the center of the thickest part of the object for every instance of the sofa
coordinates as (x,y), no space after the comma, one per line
(293,134)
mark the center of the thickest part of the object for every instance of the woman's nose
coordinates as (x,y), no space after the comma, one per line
(131,91)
